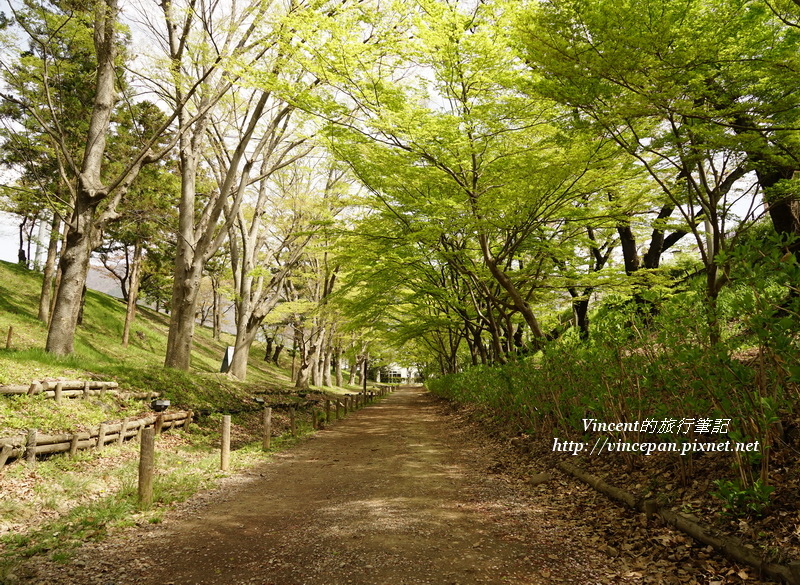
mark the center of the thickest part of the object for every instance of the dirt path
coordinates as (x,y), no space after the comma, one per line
(395,494)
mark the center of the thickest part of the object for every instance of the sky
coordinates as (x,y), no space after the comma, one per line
(9,237)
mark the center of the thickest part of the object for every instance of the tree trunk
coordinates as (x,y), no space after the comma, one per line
(503,280)
(90,192)
(217,314)
(74,267)
(326,369)
(276,355)
(580,308)
(133,292)
(304,372)
(337,363)
(185,288)
(244,341)
(268,351)
(49,270)
(21,257)
(353,368)
(629,254)
(187,272)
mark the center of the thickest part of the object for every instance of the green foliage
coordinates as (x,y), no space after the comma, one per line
(741,501)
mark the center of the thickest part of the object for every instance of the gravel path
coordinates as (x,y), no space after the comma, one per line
(395,494)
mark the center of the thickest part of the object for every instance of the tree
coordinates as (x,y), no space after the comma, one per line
(297,206)
(687,90)
(97,190)
(466,154)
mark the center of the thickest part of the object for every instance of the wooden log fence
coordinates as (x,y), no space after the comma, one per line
(35,443)
(728,546)
(58,389)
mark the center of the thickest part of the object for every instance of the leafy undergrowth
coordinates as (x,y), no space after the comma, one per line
(689,485)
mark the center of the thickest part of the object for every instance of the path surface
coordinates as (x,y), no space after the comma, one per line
(395,494)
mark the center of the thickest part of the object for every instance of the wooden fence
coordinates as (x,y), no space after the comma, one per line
(32,444)
(58,389)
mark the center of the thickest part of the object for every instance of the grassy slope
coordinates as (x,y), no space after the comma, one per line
(75,497)
(98,349)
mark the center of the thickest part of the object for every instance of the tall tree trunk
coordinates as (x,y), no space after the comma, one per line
(306,359)
(326,368)
(74,266)
(277,354)
(185,288)
(337,363)
(216,321)
(353,368)
(85,226)
(21,257)
(503,280)
(133,292)
(187,272)
(49,270)
(268,350)
(244,341)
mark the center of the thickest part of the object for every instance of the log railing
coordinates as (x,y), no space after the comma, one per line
(33,443)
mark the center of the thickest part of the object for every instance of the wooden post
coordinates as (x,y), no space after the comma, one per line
(338,409)
(346,404)
(292,423)
(189,416)
(159,424)
(86,389)
(73,445)
(147,463)
(123,428)
(30,446)
(327,411)
(57,392)
(266,428)
(8,339)
(101,437)
(5,453)
(225,457)
(314,419)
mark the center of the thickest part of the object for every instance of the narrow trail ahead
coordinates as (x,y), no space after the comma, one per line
(394,494)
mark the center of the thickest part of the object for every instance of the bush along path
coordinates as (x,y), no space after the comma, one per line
(402,492)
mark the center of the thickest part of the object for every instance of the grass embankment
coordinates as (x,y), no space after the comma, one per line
(51,507)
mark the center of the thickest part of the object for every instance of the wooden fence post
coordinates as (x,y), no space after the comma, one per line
(8,339)
(123,428)
(30,446)
(327,411)
(86,389)
(159,424)
(189,416)
(266,428)
(225,457)
(314,419)
(57,392)
(101,437)
(147,455)
(73,445)
(338,409)
(292,423)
